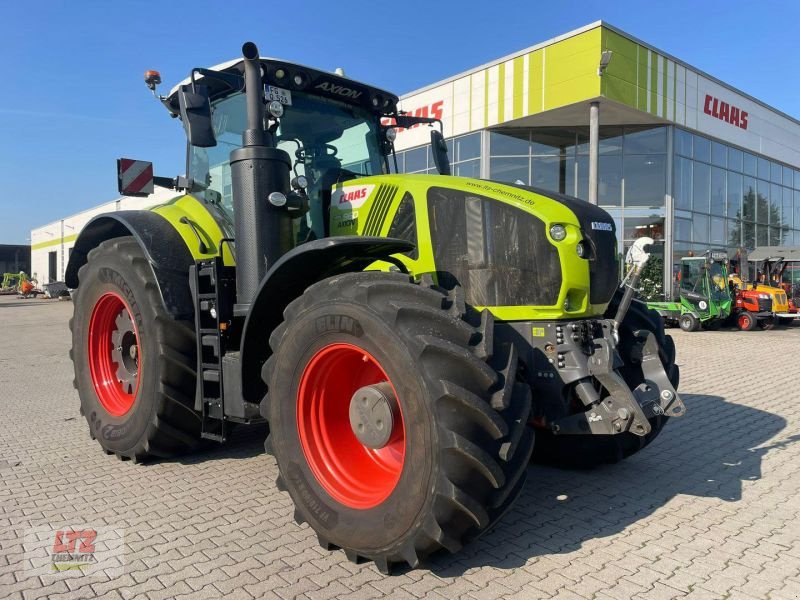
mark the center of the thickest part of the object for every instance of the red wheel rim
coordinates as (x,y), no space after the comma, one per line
(743,321)
(114,354)
(352,473)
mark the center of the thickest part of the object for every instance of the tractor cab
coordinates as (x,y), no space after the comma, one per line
(774,267)
(704,282)
(703,293)
(329,126)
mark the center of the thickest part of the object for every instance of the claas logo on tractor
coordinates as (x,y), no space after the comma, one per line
(407,378)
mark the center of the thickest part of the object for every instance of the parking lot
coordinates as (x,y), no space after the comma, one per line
(709,510)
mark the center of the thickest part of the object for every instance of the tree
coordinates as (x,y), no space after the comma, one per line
(744,234)
(651,284)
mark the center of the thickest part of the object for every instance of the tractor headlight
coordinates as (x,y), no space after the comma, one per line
(277,199)
(391,134)
(275,108)
(582,249)
(558,232)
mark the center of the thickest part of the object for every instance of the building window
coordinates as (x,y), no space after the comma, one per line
(645,175)
(755,195)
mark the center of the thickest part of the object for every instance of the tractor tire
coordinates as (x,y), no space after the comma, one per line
(785,321)
(590,451)
(688,322)
(443,399)
(134,364)
(746,322)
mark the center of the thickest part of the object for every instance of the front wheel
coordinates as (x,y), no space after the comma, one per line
(688,322)
(398,427)
(745,321)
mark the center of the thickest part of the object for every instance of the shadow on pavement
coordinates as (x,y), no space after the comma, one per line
(708,453)
(244,442)
(29,302)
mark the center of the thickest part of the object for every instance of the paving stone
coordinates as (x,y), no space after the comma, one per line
(710,509)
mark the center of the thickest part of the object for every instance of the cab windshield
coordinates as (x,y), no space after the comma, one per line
(718,280)
(327,141)
(707,278)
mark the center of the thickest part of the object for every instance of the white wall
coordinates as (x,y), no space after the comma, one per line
(59,236)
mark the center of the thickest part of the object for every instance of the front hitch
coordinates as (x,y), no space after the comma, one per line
(623,409)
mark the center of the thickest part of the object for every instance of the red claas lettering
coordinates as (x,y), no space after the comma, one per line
(435,110)
(724,111)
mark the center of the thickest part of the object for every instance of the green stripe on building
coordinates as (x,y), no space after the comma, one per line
(56,242)
(519,77)
(666,90)
(501,92)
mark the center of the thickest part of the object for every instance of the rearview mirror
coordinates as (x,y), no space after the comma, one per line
(134,177)
(439,151)
(195,107)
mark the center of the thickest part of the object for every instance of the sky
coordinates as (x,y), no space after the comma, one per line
(74,100)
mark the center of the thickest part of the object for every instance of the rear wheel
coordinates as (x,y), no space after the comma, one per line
(688,322)
(745,321)
(134,364)
(588,451)
(785,321)
(398,427)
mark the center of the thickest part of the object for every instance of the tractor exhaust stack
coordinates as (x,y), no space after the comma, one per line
(260,179)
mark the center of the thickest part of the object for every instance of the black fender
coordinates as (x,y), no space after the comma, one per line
(163,246)
(288,278)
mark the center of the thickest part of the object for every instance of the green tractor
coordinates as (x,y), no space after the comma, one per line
(704,298)
(411,340)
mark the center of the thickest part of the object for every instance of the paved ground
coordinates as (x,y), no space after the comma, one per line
(710,510)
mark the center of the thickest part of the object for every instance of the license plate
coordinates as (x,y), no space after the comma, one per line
(281,95)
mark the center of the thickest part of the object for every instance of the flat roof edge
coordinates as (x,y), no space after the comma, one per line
(513,55)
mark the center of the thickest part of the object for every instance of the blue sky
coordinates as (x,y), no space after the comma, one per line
(73,99)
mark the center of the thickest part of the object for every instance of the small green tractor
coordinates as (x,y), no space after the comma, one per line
(411,340)
(704,298)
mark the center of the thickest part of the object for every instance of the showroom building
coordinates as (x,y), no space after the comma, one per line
(679,155)
(682,157)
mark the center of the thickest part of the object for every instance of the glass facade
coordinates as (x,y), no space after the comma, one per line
(729,198)
(723,197)
(464,152)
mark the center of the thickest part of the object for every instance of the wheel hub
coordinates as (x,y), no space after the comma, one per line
(372,409)
(124,353)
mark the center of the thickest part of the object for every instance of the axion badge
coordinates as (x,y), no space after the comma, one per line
(351,196)
(600,226)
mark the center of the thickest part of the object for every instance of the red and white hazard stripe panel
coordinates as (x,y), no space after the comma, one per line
(135,177)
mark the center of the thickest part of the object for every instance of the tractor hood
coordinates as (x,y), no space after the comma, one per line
(507,246)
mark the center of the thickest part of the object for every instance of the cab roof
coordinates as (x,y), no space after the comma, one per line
(313,81)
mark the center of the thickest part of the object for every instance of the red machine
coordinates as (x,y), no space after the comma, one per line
(750,308)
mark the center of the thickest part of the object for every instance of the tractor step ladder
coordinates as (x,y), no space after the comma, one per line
(210,347)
